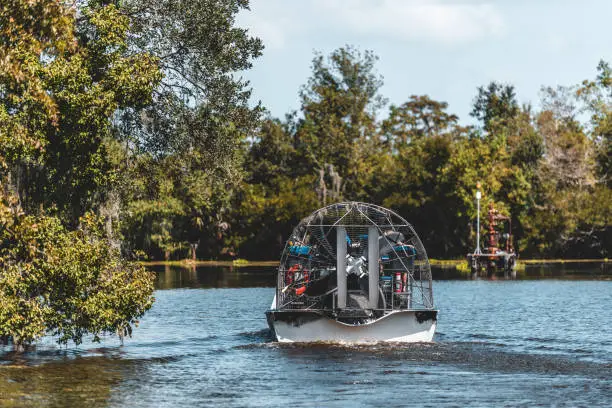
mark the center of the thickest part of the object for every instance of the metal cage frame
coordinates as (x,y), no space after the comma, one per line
(310,250)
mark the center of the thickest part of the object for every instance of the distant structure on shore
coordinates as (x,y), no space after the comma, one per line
(495,258)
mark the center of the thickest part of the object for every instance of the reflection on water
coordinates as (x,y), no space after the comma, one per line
(60,381)
(205,343)
(571,270)
(169,277)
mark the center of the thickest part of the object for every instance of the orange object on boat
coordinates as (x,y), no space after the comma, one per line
(302,277)
(290,273)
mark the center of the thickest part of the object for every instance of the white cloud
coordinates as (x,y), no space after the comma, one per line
(419,20)
(437,21)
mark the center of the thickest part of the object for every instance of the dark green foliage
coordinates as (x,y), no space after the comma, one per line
(598,95)
(66,283)
(539,167)
(419,117)
(495,104)
(189,141)
(61,80)
(338,107)
(200,102)
(86,84)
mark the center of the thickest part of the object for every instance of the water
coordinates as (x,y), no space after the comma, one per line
(205,343)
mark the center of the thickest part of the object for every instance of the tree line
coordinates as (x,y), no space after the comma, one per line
(548,168)
(126,133)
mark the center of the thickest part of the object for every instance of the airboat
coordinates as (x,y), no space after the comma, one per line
(353,272)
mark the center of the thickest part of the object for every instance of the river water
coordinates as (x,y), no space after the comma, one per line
(205,343)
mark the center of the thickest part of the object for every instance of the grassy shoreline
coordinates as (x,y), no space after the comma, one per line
(434,262)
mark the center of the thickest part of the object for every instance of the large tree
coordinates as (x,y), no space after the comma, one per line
(61,80)
(573,211)
(420,117)
(419,138)
(339,104)
(597,95)
(61,95)
(201,103)
(320,154)
(192,135)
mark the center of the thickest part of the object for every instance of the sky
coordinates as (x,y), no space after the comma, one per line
(442,48)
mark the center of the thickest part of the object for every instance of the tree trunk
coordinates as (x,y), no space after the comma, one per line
(193,251)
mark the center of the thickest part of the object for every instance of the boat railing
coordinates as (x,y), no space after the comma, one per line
(391,300)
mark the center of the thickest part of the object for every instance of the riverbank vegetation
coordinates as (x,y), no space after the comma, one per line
(126,132)
(64,76)
(547,167)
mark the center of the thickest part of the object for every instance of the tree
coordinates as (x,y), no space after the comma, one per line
(173,204)
(276,193)
(153,213)
(546,169)
(200,51)
(421,116)
(80,79)
(520,188)
(495,104)
(60,83)
(339,103)
(272,154)
(572,215)
(597,95)
(198,122)
(66,284)
(569,154)
(420,137)
(27,31)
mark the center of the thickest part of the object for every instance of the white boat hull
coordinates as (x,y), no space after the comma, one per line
(405,326)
